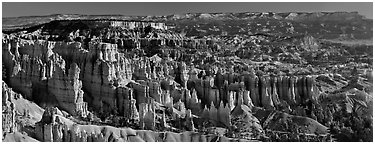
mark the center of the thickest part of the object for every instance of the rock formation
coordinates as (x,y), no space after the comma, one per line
(9,113)
(129,80)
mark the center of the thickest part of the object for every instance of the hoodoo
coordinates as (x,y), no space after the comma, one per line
(196,77)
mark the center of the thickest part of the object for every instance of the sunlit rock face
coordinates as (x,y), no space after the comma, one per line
(38,73)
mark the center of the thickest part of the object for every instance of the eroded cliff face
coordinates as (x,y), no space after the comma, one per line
(66,70)
(154,80)
(273,92)
(38,73)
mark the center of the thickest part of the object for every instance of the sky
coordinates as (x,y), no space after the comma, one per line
(15,9)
